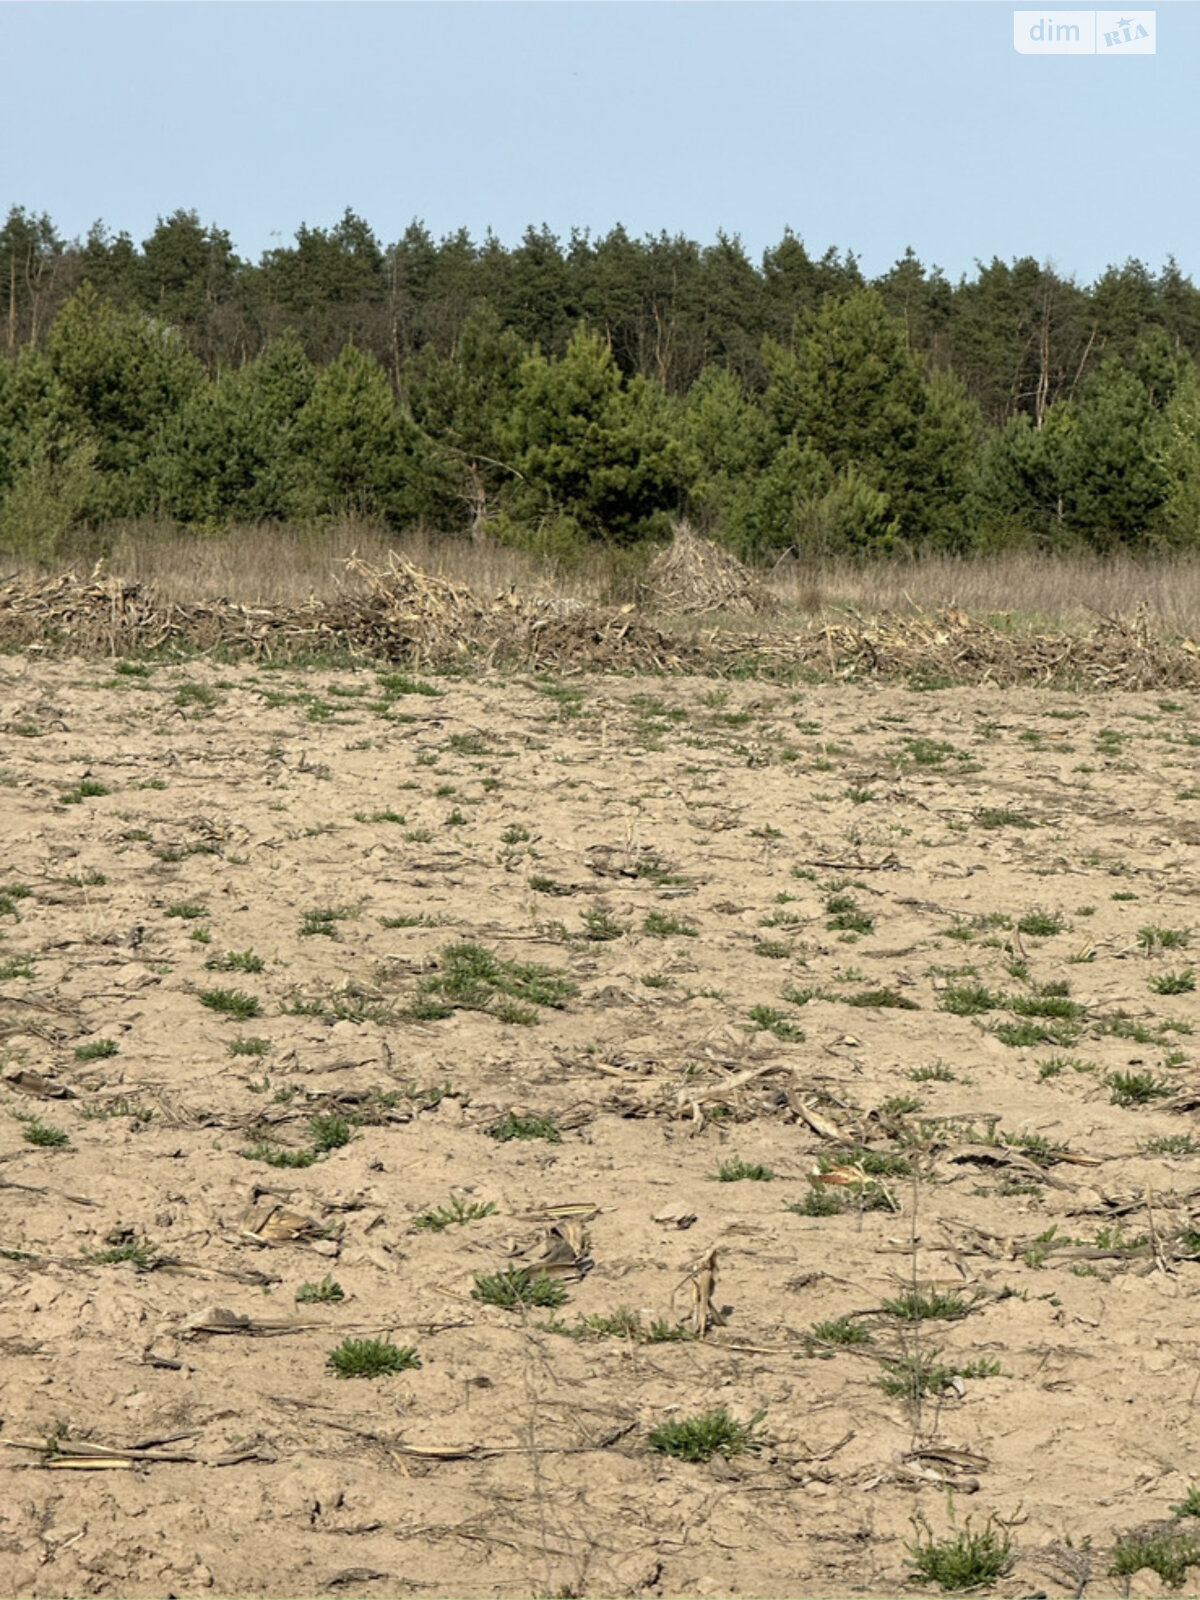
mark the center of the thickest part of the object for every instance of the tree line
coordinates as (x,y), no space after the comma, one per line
(592,389)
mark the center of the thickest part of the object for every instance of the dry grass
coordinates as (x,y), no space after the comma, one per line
(289,565)
(1022,591)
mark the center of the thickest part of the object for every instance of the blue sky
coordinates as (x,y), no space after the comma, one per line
(864,125)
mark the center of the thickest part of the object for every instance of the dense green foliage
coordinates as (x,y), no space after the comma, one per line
(559,393)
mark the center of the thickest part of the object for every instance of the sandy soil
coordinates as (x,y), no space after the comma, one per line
(525,819)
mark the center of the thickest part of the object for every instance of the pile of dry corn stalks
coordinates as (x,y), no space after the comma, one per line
(400,613)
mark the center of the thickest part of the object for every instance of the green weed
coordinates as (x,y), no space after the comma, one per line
(371,1358)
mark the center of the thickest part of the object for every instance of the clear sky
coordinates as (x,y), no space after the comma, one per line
(863,125)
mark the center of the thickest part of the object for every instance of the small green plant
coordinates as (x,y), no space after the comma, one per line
(330,1132)
(517,1287)
(87,880)
(1154,938)
(1021,1035)
(230,1003)
(278,1155)
(736,1170)
(457,1212)
(394,684)
(842,1331)
(318,1294)
(97,1050)
(196,694)
(713,1433)
(1189,1506)
(1045,1005)
(601,926)
(371,1358)
(661,926)
(516,1126)
(323,921)
(88,789)
(1167,1552)
(938,1072)
(251,1046)
(1172,1144)
(136,1250)
(235,961)
(187,910)
(1136,1088)
(964,1560)
(473,978)
(1002,817)
(35,1131)
(890,999)
(911,1377)
(1174,982)
(919,1305)
(777,1022)
(845,915)
(1041,924)
(968,1000)
(820,1201)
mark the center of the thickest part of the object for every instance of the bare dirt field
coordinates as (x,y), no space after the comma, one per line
(330,997)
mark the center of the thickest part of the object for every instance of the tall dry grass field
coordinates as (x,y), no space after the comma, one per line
(1023,591)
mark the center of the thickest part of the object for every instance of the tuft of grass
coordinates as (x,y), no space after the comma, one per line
(1155,938)
(883,998)
(736,1170)
(97,1050)
(1045,1005)
(623,1323)
(473,978)
(910,1378)
(1189,1506)
(968,1000)
(457,1212)
(515,1126)
(920,1305)
(712,1433)
(196,694)
(1002,817)
(330,1133)
(843,1331)
(964,1560)
(136,1250)
(776,1022)
(230,1003)
(235,961)
(35,1131)
(517,1287)
(601,926)
(937,1072)
(187,910)
(88,789)
(371,1358)
(1168,1552)
(845,916)
(278,1155)
(1172,1144)
(323,921)
(1041,924)
(1136,1088)
(326,1292)
(251,1046)
(1174,982)
(1021,1035)
(661,926)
